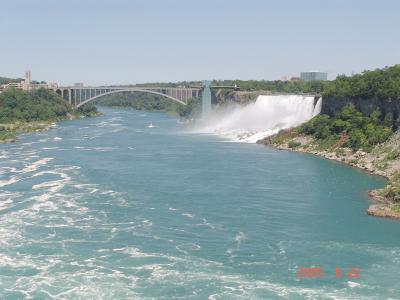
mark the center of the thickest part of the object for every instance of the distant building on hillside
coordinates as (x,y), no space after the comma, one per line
(294,78)
(313,76)
(28,84)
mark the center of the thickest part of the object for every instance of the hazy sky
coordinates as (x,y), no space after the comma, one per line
(117,41)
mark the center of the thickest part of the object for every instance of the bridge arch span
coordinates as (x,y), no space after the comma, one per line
(130,90)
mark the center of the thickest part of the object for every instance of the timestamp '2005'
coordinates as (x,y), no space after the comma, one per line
(318,272)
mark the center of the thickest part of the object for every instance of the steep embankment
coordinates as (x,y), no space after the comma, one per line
(333,105)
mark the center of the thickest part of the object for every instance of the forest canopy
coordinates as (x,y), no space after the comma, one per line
(36,105)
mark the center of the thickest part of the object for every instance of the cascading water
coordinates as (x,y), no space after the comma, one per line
(317,108)
(265,117)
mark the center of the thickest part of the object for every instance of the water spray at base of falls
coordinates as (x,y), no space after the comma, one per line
(260,119)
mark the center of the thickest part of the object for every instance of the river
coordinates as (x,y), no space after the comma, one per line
(107,208)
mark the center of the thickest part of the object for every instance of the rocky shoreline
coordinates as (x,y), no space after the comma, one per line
(377,162)
(14,129)
(36,126)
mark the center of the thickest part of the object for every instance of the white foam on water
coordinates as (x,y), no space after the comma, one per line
(12,180)
(188,247)
(239,238)
(133,252)
(207,224)
(265,117)
(8,170)
(147,223)
(51,148)
(353,284)
(98,149)
(44,206)
(54,185)
(188,215)
(36,165)
(9,261)
(6,203)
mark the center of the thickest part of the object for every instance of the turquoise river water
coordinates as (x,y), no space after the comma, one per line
(107,208)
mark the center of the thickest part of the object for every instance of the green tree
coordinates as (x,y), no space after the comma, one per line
(376,116)
(388,121)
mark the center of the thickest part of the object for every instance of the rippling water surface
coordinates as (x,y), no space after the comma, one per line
(107,208)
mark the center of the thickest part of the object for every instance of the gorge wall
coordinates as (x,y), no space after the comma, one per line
(330,106)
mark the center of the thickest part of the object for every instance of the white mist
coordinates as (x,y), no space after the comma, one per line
(265,117)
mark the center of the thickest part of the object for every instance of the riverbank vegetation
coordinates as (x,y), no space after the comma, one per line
(33,110)
(350,128)
(191,110)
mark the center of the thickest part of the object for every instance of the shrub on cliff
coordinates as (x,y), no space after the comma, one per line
(294,144)
(189,110)
(392,190)
(362,131)
(88,109)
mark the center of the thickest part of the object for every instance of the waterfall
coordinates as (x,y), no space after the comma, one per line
(318,107)
(265,117)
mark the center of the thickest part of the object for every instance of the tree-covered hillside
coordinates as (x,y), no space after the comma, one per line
(351,127)
(380,83)
(37,105)
(26,111)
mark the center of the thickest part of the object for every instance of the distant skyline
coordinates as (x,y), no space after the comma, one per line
(128,42)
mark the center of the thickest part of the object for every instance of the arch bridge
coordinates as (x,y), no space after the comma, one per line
(78,96)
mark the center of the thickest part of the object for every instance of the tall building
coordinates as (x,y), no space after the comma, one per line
(26,84)
(28,77)
(313,76)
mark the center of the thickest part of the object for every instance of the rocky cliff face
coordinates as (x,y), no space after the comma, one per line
(330,106)
(242,97)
